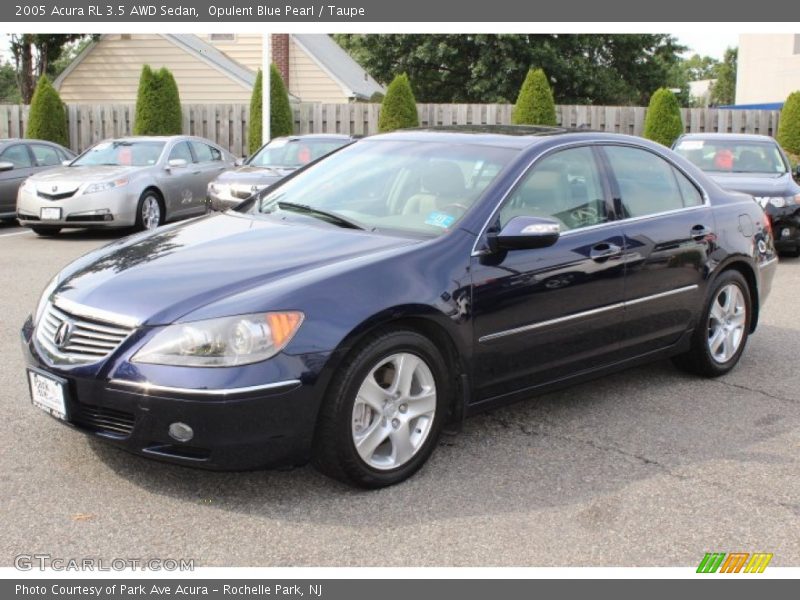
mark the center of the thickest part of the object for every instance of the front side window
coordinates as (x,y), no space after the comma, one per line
(16,155)
(121,153)
(181,151)
(203,152)
(422,188)
(648,184)
(565,186)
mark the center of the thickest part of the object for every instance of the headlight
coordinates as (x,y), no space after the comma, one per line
(223,342)
(795,199)
(778,201)
(104,186)
(51,286)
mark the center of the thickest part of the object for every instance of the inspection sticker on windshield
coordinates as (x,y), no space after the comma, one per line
(691,145)
(438,219)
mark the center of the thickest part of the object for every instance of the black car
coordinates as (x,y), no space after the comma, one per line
(272,162)
(408,280)
(755,165)
(19,159)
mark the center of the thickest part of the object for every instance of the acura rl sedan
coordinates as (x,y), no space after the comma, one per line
(350,313)
(754,165)
(271,163)
(137,182)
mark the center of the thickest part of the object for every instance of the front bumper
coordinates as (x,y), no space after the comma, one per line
(237,427)
(221,202)
(113,208)
(785,226)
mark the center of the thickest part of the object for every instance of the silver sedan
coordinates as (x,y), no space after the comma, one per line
(137,182)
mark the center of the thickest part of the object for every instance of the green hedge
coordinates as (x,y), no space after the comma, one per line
(399,108)
(48,115)
(535,104)
(158,104)
(788,134)
(663,123)
(281,119)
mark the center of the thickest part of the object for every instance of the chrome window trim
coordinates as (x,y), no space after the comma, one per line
(586,313)
(89,312)
(146,386)
(706,198)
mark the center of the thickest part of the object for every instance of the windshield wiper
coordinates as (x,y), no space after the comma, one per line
(319,213)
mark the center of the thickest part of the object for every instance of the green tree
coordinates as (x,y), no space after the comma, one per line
(724,89)
(663,122)
(535,105)
(583,68)
(48,117)
(158,104)
(34,53)
(9,90)
(281,118)
(788,134)
(399,108)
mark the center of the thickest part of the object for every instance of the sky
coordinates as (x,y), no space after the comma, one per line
(707,43)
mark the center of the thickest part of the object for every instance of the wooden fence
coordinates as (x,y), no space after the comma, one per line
(226,124)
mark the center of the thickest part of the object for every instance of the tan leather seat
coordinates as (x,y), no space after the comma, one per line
(442,183)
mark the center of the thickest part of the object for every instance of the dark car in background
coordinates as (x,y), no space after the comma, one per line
(404,282)
(19,159)
(754,165)
(271,163)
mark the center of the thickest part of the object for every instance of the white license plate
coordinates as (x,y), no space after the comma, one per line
(50,214)
(48,394)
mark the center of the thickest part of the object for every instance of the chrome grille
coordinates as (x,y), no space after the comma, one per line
(88,340)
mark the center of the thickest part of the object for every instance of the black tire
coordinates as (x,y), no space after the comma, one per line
(335,452)
(46,231)
(699,360)
(148,194)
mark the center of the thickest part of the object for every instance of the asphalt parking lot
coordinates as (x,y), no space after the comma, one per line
(650,467)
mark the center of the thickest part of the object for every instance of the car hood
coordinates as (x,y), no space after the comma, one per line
(156,278)
(67,178)
(254,175)
(757,184)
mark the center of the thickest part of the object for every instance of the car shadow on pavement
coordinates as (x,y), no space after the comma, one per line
(562,448)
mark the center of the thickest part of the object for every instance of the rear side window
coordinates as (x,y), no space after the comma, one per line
(16,155)
(648,184)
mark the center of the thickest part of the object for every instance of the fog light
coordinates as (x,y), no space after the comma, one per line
(786,232)
(181,432)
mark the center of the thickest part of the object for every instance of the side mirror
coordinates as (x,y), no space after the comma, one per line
(6,166)
(177,163)
(66,163)
(239,161)
(525,233)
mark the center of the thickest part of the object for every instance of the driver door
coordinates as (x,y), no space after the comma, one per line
(544,314)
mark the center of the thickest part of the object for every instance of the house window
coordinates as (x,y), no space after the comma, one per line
(223,37)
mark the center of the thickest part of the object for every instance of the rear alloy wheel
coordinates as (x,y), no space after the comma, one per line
(46,231)
(384,412)
(149,214)
(721,335)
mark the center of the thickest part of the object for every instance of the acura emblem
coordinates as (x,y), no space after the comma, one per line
(54,188)
(61,337)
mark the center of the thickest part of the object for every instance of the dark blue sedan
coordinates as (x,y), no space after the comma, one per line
(407,281)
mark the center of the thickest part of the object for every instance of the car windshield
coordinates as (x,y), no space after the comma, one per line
(722,156)
(121,153)
(292,153)
(407,186)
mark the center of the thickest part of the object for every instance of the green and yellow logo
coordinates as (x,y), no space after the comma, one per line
(734,562)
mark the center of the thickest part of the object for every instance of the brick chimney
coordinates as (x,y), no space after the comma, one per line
(280,55)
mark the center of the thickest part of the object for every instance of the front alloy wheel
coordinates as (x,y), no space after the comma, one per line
(394,411)
(384,410)
(151,212)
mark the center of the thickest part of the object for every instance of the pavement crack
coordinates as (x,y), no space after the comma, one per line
(739,386)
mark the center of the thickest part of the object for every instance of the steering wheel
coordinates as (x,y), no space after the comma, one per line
(585,215)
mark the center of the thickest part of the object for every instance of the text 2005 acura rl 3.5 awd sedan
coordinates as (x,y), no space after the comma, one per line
(406,281)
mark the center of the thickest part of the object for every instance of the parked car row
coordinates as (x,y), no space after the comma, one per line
(140,182)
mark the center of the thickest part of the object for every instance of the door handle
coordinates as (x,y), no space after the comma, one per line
(700,232)
(603,251)
(195,172)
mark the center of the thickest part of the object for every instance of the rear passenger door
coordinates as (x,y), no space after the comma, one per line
(208,164)
(17,155)
(669,233)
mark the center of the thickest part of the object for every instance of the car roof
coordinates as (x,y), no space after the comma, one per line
(508,136)
(316,137)
(728,137)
